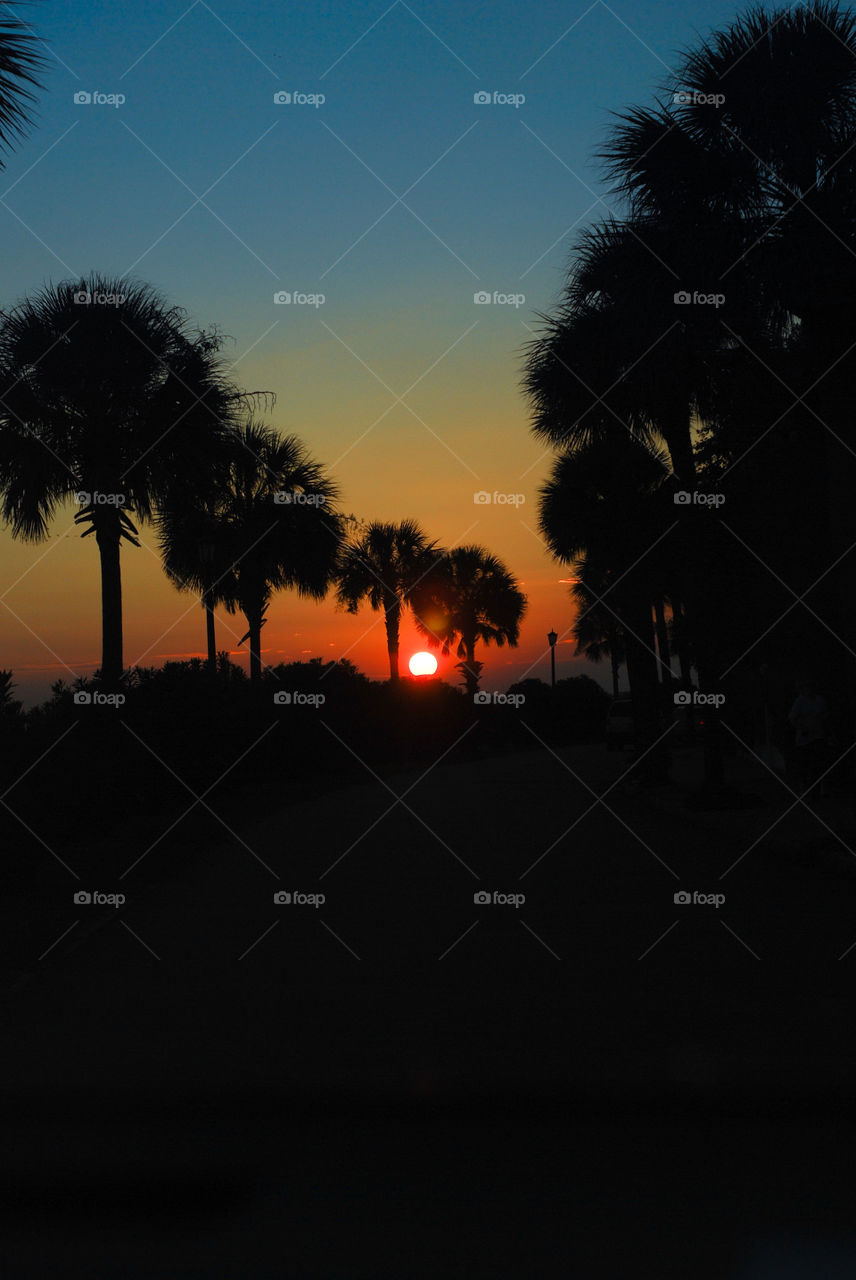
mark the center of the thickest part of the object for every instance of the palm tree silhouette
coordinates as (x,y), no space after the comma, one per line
(105,402)
(597,631)
(472,596)
(608,505)
(20,61)
(384,566)
(269,514)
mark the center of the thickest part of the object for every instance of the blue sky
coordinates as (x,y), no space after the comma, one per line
(304,198)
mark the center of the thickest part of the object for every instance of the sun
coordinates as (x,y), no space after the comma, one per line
(423,664)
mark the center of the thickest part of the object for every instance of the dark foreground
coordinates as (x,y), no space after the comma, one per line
(401,1082)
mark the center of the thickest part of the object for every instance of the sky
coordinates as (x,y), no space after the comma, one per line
(381,196)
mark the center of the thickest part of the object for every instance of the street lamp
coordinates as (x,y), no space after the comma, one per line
(551,640)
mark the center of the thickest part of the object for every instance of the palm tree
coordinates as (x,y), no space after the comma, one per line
(597,631)
(607,507)
(471,597)
(384,566)
(105,403)
(20,61)
(272,522)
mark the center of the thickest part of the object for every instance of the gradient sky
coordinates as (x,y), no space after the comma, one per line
(397,199)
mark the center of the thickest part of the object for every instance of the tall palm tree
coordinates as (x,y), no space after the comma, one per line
(384,566)
(471,597)
(20,62)
(273,524)
(105,403)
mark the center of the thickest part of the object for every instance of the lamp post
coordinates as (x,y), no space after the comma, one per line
(206,559)
(551,640)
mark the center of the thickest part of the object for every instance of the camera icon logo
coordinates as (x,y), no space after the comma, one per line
(281,898)
(481,498)
(683,699)
(682,298)
(82,498)
(82,698)
(82,897)
(282,298)
(482,298)
(481,98)
(282,99)
(481,698)
(281,699)
(82,298)
(81,98)
(482,898)
(682,498)
(682,898)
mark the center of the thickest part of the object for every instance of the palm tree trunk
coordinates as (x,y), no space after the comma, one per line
(212,643)
(107,537)
(644,685)
(470,674)
(253,613)
(613,658)
(663,643)
(393,617)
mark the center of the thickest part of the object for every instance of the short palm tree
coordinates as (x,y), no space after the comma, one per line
(104,403)
(271,519)
(471,597)
(383,567)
